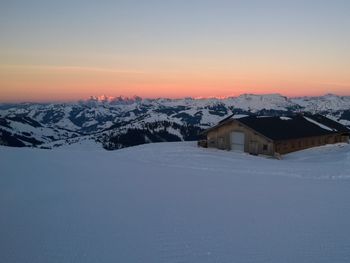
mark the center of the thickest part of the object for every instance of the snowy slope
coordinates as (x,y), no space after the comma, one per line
(174,202)
(328,102)
(110,118)
(254,103)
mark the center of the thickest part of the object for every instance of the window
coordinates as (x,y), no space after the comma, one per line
(264,147)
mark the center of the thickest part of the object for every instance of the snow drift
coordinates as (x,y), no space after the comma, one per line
(173,202)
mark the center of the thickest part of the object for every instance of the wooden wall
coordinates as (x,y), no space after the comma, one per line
(254,142)
(258,144)
(287,146)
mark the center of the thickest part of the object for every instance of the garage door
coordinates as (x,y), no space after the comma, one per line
(237,141)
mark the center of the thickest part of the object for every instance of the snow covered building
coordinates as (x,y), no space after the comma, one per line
(275,135)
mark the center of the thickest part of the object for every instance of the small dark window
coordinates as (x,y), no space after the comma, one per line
(264,147)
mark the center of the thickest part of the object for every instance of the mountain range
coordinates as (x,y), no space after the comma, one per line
(118,122)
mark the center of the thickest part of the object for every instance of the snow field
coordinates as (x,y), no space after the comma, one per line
(173,202)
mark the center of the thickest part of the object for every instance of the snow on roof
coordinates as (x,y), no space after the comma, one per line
(238,116)
(298,127)
(285,118)
(319,124)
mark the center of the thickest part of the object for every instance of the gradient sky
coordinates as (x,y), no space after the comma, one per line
(66,50)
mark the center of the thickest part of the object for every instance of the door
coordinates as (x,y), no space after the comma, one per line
(237,141)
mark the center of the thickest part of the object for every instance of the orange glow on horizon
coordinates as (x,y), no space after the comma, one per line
(53,83)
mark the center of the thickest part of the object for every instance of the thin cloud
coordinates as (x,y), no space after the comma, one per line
(74,68)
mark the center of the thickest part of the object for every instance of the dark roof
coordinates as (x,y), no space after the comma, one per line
(227,118)
(329,123)
(293,127)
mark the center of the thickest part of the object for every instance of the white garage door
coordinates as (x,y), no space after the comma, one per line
(237,141)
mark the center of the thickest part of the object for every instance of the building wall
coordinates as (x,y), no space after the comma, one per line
(254,143)
(258,144)
(287,146)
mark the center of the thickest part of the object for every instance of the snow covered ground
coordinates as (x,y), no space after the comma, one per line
(173,202)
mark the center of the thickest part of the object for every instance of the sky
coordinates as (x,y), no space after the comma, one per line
(68,50)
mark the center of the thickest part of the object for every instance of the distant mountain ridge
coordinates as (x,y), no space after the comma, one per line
(118,122)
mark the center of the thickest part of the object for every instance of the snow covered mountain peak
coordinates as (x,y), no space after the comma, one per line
(253,102)
(111,100)
(328,102)
(123,121)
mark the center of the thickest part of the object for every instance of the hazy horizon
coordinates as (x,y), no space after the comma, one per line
(109,97)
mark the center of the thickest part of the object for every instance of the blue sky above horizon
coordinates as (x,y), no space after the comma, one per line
(73,49)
